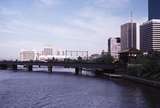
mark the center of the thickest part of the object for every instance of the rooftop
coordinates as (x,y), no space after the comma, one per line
(152,21)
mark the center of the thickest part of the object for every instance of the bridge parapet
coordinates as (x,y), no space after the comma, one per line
(50,64)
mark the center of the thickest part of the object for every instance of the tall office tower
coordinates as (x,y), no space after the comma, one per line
(128,36)
(27,55)
(154,9)
(114,46)
(47,51)
(150,35)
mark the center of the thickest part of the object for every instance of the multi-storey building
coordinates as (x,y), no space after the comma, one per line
(27,55)
(47,52)
(150,35)
(154,8)
(114,46)
(128,36)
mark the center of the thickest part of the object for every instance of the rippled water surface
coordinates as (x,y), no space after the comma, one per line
(65,90)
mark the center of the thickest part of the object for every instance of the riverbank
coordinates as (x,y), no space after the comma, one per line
(142,81)
(134,79)
(113,75)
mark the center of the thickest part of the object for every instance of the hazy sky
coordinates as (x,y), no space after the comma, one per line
(65,24)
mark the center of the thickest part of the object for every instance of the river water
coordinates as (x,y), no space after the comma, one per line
(66,90)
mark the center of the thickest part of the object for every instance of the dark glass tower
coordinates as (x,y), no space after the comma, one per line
(154,9)
(128,36)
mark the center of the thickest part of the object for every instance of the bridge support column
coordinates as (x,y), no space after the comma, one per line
(49,68)
(14,67)
(30,68)
(3,66)
(78,70)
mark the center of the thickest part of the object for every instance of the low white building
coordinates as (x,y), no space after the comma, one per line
(114,46)
(27,55)
(49,54)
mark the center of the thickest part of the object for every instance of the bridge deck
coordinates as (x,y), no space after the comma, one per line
(64,64)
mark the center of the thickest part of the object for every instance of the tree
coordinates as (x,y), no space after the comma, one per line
(150,65)
(106,59)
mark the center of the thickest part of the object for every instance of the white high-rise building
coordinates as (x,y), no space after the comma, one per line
(150,35)
(47,52)
(114,46)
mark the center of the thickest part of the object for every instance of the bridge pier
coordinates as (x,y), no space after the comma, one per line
(78,70)
(3,66)
(30,68)
(49,68)
(14,67)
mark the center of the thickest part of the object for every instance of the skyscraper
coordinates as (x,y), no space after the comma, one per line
(114,46)
(150,35)
(154,9)
(128,36)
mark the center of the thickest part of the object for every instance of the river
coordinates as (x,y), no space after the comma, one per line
(24,89)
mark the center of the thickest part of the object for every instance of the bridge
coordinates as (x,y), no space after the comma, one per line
(77,65)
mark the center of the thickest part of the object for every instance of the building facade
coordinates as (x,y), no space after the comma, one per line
(150,35)
(154,8)
(62,54)
(128,36)
(27,55)
(47,52)
(114,46)
(73,54)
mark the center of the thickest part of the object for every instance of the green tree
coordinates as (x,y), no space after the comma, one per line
(106,59)
(150,65)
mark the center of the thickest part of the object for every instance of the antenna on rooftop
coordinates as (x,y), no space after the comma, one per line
(131,16)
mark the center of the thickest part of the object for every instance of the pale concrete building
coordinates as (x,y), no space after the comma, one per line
(27,55)
(114,46)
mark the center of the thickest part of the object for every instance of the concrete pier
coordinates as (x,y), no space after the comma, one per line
(14,67)
(49,68)
(30,68)
(78,70)
(3,66)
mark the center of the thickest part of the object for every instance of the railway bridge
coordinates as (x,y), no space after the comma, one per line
(77,65)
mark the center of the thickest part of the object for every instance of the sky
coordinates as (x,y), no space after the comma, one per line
(64,24)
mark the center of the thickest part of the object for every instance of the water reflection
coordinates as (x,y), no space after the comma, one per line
(65,90)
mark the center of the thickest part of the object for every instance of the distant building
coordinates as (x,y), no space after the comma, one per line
(73,54)
(129,55)
(114,46)
(27,55)
(154,8)
(94,56)
(47,52)
(103,53)
(37,55)
(150,35)
(128,36)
